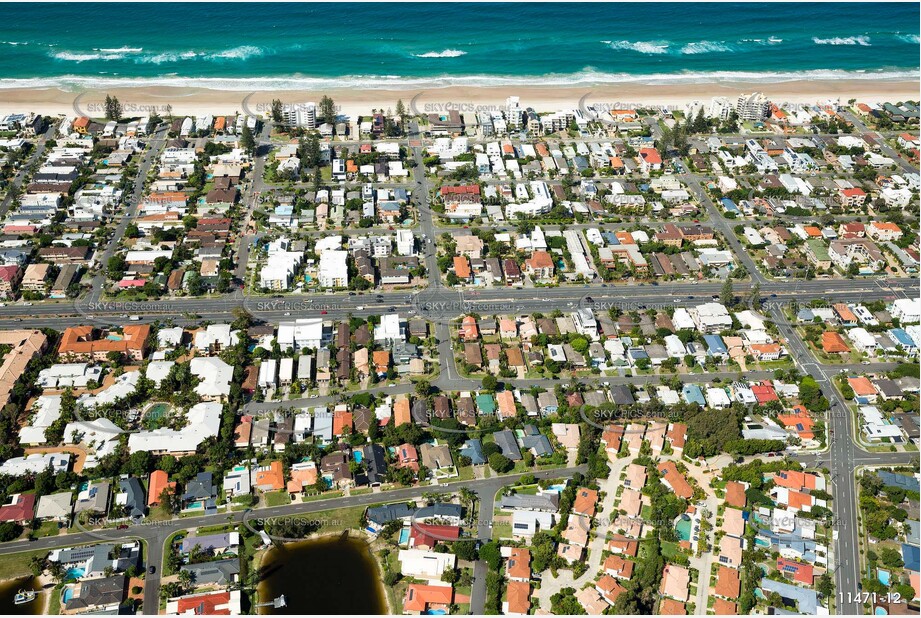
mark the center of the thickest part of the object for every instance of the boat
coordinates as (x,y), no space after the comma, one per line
(24,596)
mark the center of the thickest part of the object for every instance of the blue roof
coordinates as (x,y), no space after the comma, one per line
(908,483)
(806,600)
(715,344)
(637,353)
(902,338)
(693,394)
(474,450)
(911,556)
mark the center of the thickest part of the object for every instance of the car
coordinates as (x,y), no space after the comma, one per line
(444,484)
(604,285)
(864,362)
(123,527)
(690,298)
(392,309)
(360,308)
(351,293)
(773,295)
(589,299)
(324,312)
(287,313)
(151,569)
(677,300)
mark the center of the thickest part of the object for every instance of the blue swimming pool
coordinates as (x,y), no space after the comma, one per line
(404,535)
(435,612)
(67,595)
(683,527)
(74,573)
(356,455)
(882,576)
(880,611)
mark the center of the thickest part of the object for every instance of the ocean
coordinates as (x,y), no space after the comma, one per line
(233,46)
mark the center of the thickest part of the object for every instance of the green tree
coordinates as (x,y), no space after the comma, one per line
(277,113)
(113,108)
(490,553)
(248,141)
(500,463)
(755,296)
(726,294)
(327,110)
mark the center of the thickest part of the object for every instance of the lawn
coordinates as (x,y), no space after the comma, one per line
(669,549)
(48,528)
(338,519)
(17,565)
(502,530)
(465,473)
(277,498)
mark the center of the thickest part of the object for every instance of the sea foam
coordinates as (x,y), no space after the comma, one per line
(850,40)
(448,53)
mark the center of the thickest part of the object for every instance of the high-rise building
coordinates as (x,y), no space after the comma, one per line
(754,106)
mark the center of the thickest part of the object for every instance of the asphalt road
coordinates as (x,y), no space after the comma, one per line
(155,534)
(26,169)
(842,456)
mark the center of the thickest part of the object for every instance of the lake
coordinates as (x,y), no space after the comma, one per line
(8,590)
(332,575)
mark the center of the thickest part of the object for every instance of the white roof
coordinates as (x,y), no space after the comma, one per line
(169,337)
(717,397)
(35,463)
(203,421)
(123,386)
(682,319)
(425,564)
(215,374)
(54,505)
(216,334)
(389,328)
(46,410)
(158,370)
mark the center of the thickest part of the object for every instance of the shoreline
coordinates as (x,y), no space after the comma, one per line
(139,100)
(263,553)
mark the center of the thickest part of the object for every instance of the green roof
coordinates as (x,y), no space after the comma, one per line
(818,249)
(486,404)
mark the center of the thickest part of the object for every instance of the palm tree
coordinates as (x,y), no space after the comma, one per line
(467,496)
(185,579)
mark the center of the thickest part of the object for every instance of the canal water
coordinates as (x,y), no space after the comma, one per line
(8,590)
(332,576)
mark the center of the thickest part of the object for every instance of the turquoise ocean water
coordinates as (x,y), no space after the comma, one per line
(304,46)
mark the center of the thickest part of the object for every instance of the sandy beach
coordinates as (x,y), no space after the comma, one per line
(139,100)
